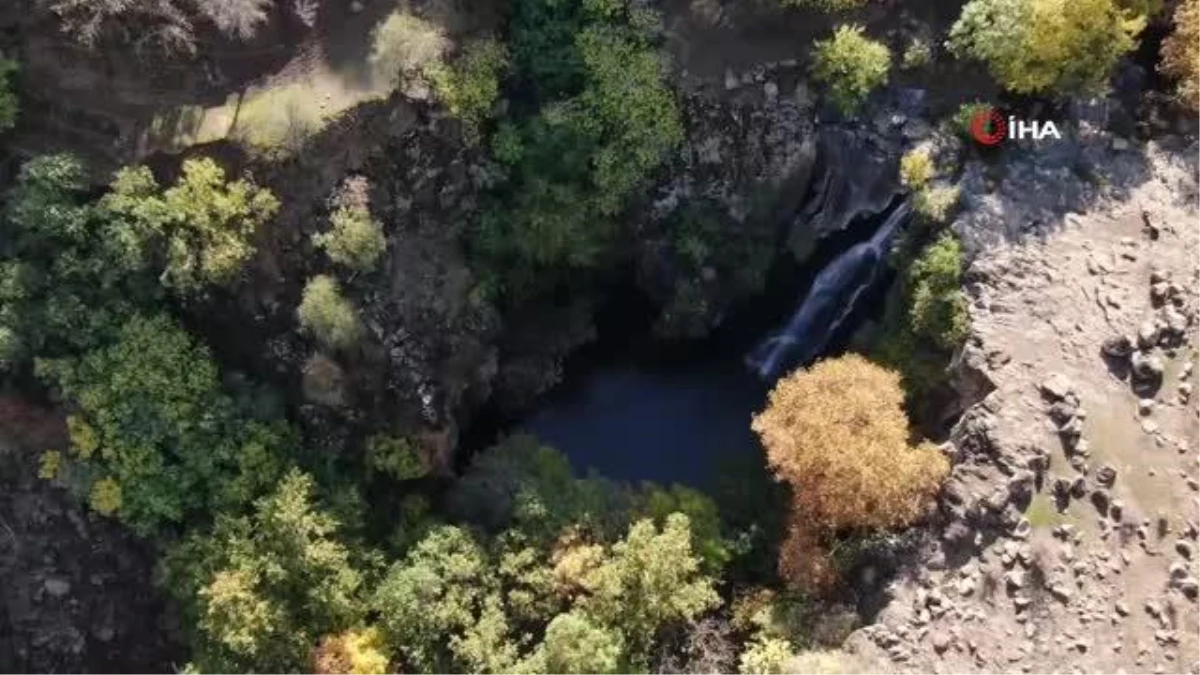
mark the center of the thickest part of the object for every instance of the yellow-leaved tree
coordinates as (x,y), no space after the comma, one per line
(838,434)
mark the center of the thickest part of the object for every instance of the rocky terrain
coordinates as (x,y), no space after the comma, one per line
(1067,534)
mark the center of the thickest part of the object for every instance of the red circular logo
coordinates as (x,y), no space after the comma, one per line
(987,126)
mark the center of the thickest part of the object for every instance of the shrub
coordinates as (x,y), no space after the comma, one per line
(355,241)
(49,464)
(105,497)
(935,203)
(1181,54)
(851,65)
(471,86)
(8,97)
(917,54)
(916,168)
(960,122)
(937,306)
(1045,45)
(324,381)
(327,315)
(765,656)
(403,45)
(394,457)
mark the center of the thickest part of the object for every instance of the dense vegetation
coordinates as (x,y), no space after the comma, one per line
(285,557)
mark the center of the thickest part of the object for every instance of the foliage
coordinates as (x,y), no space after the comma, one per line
(394,457)
(937,304)
(916,168)
(105,497)
(471,86)
(49,464)
(960,121)
(331,318)
(838,434)
(403,45)
(935,203)
(163,428)
(651,578)
(428,601)
(658,502)
(350,653)
(1180,54)
(918,54)
(263,588)
(575,644)
(851,65)
(605,122)
(524,485)
(355,241)
(207,223)
(1048,46)
(70,274)
(765,656)
(9,106)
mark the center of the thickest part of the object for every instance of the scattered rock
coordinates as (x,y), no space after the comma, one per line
(56,587)
(1184,549)
(1118,347)
(1145,406)
(1057,387)
(1147,334)
(1106,475)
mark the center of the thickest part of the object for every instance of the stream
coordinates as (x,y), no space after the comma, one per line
(633,409)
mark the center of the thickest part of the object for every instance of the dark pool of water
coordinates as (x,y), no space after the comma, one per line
(674,424)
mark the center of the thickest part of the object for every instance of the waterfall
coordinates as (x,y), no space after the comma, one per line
(833,296)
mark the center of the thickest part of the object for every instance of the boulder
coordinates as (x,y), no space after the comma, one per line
(1056,387)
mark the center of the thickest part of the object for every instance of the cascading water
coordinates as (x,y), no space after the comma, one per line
(834,294)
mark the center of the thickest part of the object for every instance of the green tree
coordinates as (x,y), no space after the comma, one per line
(1046,46)
(263,588)
(394,457)
(164,430)
(9,105)
(331,318)
(207,224)
(429,601)
(471,86)
(576,644)
(606,120)
(70,275)
(851,65)
(650,579)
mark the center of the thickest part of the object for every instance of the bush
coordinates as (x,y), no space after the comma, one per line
(917,54)
(937,306)
(935,203)
(355,241)
(1181,54)
(916,168)
(471,86)
(105,497)
(8,97)
(403,46)
(765,656)
(331,318)
(851,65)
(1046,45)
(394,457)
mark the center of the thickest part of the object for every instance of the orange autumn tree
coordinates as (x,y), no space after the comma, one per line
(837,433)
